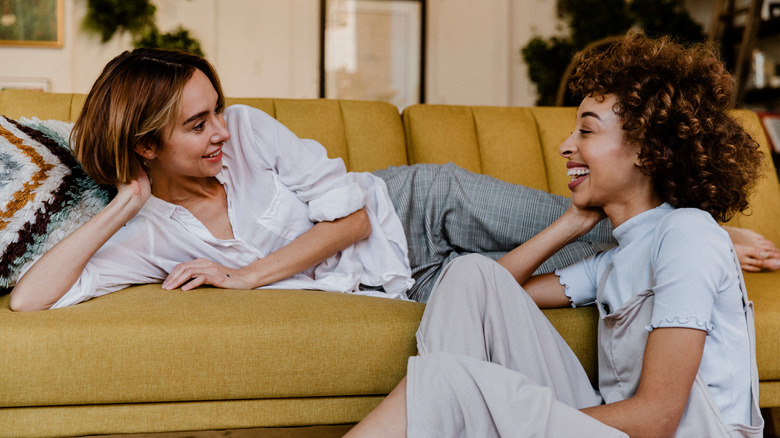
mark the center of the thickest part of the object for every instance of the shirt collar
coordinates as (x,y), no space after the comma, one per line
(639,225)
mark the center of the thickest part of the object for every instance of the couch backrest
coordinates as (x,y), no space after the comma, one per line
(520,145)
(764,213)
(366,135)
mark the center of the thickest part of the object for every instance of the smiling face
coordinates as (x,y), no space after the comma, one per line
(193,143)
(603,166)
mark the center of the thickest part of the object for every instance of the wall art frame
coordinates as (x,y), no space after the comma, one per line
(38,84)
(32,23)
(373,50)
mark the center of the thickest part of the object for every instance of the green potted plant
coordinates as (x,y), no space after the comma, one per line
(590,21)
(107,17)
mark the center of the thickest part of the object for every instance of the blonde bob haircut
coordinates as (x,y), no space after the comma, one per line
(133,102)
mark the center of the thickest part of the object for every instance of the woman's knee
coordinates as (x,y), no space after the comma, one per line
(473,263)
(471,267)
(472,275)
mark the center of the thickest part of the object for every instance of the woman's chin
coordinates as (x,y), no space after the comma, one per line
(581,202)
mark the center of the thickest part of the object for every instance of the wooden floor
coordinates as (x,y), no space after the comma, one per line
(277,432)
(771,417)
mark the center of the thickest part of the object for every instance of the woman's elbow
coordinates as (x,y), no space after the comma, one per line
(667,430)
(664,425)
(18,302)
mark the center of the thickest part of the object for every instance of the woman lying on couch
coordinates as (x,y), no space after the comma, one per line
(675,338)
(231,198)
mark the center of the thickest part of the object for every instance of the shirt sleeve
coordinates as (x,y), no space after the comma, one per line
(692,260)
(581,279)
(126,259)
(302,166)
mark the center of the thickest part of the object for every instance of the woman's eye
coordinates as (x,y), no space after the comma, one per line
(199,126)
(584,132)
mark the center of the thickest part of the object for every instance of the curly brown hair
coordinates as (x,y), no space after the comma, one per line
(673,102)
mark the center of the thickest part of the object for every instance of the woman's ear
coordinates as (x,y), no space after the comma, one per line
(145,150)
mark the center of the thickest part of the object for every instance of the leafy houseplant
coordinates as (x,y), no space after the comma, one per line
(180,39)
(107,17)
(593,20)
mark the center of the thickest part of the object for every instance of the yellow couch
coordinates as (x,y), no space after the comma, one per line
(147,360)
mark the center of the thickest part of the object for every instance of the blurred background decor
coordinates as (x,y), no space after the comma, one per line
(31,22)
(592,21)
(108,17)
(373,50)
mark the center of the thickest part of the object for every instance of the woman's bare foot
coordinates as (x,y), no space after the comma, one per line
(756,253)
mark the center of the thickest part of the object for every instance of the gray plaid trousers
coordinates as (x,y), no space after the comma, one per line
(448,212)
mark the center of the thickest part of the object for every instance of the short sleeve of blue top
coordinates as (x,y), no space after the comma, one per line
(686,259)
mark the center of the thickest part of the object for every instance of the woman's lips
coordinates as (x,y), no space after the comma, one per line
(214,156)
(577,172)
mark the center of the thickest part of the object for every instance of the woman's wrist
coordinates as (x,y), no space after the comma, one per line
(569,229)
(575,222)
(250,276)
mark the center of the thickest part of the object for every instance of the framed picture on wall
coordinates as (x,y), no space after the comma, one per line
(39,84)
(373,50)
(32,23)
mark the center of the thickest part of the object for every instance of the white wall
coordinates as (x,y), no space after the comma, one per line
(529,18)
(264,48)
(270,48)
(475,69)
(474,49)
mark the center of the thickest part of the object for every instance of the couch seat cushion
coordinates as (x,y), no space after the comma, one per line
(144,344)
(763,290)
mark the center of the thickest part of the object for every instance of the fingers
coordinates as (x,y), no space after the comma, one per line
(138,189)
(190,275)
(193,282)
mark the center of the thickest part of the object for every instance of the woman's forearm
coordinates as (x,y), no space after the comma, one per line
(314,246)
(664,386)
(51,276)
(526,258)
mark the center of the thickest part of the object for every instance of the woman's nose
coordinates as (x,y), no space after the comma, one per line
(567,148)
(222,135)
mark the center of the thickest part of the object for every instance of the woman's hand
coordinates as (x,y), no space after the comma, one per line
(189,275)
(321,241)
(584,219)
(59,268)
(522,261)
(755,252)
(137,190)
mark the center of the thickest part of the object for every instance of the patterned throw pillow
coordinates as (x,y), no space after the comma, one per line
(44,193)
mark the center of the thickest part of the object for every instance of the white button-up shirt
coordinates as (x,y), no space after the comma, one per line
(278,186)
